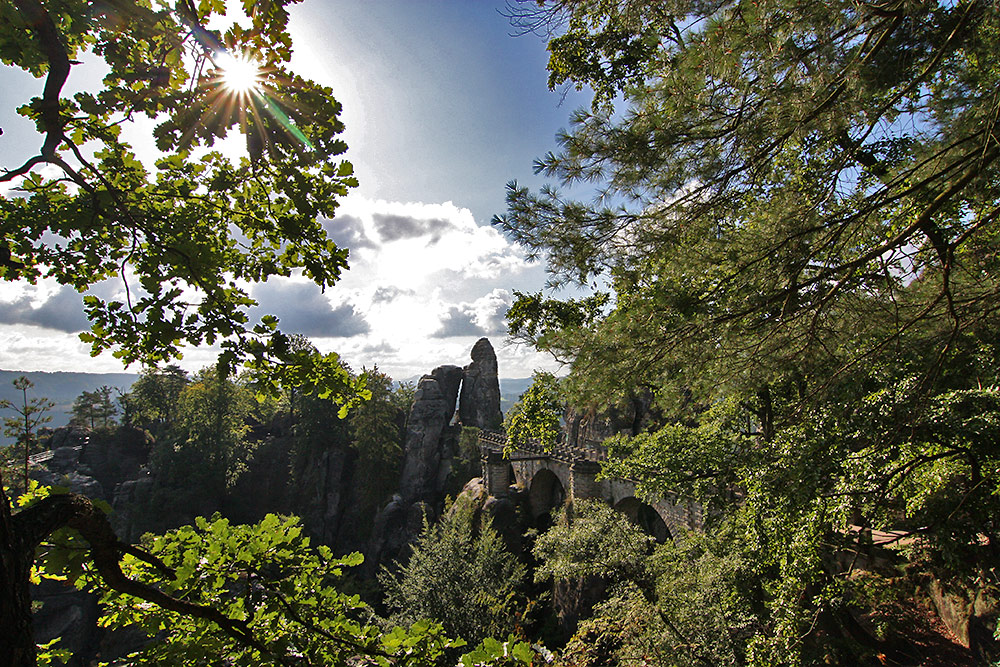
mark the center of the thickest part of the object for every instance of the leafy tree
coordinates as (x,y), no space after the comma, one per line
(461,574)
(536,414)
(84,410)
(253,595)
(151,401)
(403,396)
(796,219)
(695,601)
(93,408)
(256,594)
(377,438)
(205,449)
(30,414)
(591,539)
(277,596)
(375,423)
(186,233)
(183,234)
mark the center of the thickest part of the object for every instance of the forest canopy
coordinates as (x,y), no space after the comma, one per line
(779,186)
(183,235)
(792,238)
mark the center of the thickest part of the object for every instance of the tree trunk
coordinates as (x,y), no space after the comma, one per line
(17,641)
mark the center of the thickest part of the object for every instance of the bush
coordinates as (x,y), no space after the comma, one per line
(460,574)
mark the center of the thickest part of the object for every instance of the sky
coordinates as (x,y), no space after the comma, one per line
(443,106)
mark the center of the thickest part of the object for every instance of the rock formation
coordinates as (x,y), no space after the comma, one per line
(430,435)
(430,446)
(480,402)
(631,417)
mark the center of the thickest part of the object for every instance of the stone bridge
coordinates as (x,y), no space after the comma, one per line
(551,475)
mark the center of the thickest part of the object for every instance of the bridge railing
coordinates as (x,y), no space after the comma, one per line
(559,451)
(41,458)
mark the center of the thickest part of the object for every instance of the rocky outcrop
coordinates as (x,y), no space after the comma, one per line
(479,405)
(430,436)
(62,465)
(102,465)
(971,615)
(431,445)
(117,456)
(131,507)
(587,428)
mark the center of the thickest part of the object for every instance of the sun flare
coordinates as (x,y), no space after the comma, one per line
(240,73)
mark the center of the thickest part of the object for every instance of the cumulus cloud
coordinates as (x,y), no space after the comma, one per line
(348,231)
(303,308)
(62,311)
(459,322)
(482,317)
(393,227)
(389,294)
(381,349)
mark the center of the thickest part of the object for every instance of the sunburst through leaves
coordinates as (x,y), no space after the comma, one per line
(240,73)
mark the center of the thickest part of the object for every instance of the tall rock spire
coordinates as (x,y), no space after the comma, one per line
(479,404)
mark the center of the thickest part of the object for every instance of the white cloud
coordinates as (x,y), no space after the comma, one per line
(302,308)
(482,317)
(426,281)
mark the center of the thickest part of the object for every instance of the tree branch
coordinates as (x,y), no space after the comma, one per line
(37,17)
(34,523)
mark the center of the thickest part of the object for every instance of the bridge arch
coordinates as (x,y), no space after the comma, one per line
(550,475)
(545,494)
(645,517)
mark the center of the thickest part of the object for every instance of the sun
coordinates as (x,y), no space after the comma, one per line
(239,73)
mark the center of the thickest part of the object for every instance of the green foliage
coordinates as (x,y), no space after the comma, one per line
(796,213)
(29,415)
(782,188)
(499,654)
(625,629)
(209,430)
(590,539)
(151,401)
(536,414)
(709,585)
(460,574)
(375,423)
(188,232)
(689,602)
(467,461)
(700,460)
(376,436)
(535,319)
(404,395)
(276,590)
(94,408)
(49,653)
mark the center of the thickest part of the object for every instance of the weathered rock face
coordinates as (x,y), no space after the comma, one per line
(116,457)
(479,405)
(586,429)
(129,504)
(431,445)
(429,435)
(67,614)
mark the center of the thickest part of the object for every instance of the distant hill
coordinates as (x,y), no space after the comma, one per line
(511,390)
(61,388)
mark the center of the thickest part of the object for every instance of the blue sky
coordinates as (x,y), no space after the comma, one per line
(442,107)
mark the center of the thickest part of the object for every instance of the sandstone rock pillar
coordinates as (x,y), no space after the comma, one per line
(479,404)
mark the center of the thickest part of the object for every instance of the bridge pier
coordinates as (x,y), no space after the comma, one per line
(496,472)
(583,479)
